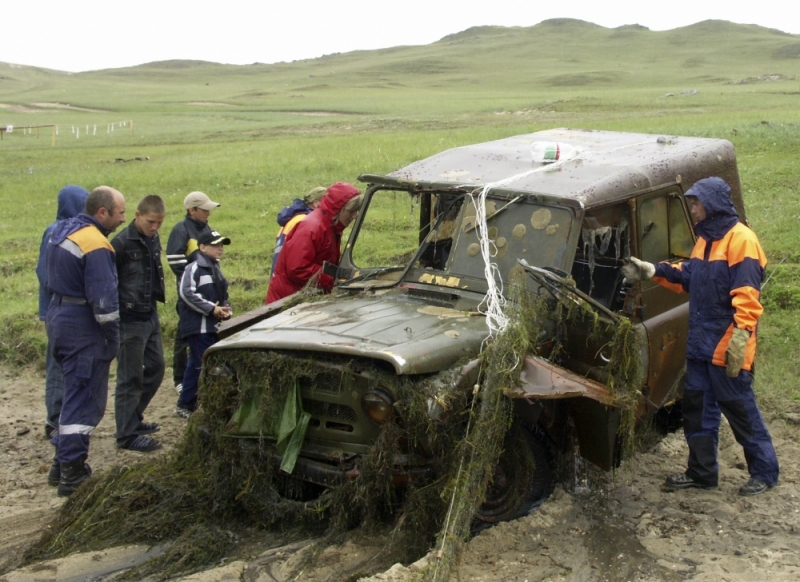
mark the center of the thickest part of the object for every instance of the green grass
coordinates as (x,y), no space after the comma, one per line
(254,137)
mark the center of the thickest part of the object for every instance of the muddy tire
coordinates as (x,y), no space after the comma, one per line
(523,478)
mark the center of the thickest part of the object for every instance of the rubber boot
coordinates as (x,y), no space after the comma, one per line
(54,476)
(72,475)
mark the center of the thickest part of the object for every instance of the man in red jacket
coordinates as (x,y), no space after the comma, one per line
(313,241)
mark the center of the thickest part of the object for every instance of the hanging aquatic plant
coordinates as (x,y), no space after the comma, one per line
(214,481)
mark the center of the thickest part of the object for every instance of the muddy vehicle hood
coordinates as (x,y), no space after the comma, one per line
(413,335)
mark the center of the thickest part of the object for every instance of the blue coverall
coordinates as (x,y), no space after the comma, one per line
(83,326)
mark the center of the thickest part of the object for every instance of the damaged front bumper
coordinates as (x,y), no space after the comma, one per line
(330,475)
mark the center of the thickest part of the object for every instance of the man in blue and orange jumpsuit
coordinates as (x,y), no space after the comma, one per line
(723,278)
(83,324)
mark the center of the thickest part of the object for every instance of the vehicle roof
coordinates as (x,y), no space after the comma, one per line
(605,165)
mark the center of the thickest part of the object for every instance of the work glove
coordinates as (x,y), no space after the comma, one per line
(637,270)
(734,355)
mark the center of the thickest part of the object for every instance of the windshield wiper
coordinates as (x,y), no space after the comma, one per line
(564,291)
(370,273)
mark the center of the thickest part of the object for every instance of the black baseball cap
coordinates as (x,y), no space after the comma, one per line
(213,238)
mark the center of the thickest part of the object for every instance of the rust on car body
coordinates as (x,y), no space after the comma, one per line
(563,229)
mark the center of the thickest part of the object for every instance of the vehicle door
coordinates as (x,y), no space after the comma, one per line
(664,234)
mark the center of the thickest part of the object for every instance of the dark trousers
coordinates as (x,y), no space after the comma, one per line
(80,347)
(179,355)
(53,387)
(709,391)
(198,344)
(140,369)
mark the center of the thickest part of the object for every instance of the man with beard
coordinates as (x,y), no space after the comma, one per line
(83,324)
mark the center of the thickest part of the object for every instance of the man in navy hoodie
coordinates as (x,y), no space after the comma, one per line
(723,278)
(70,204)
(83,325)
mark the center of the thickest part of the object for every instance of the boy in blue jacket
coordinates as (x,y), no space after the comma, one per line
(204,302)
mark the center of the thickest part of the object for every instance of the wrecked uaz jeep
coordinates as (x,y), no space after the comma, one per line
(324,379)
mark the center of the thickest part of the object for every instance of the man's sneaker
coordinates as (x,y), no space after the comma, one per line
(182,412)
(753,487)
(178,387)
(140,444)
(147,428)
(54,476)
(683,481)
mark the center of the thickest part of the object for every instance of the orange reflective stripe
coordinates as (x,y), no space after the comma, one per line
(676,287)
(719,353)
(699,249)
(748,307)
(89,239)
(750,352)
(742,244)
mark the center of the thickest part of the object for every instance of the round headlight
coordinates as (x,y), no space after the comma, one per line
(220,372)
(378,406)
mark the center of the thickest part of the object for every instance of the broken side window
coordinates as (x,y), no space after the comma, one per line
(602,248)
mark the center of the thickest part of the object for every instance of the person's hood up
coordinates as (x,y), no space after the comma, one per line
(338,195)
(71,201)
(66,227)
(289,212)
(715,196)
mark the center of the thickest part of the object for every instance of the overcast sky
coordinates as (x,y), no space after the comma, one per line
(82,35)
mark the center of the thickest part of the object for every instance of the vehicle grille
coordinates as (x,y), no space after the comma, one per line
(340,412)
(331,383)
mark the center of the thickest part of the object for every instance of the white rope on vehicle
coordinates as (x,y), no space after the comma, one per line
(494,303)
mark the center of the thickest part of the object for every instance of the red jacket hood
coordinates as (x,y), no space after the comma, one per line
(337,196)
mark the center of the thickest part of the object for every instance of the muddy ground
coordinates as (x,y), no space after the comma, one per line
(628,527)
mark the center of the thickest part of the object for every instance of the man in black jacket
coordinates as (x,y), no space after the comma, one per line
(140,362)
(181,249)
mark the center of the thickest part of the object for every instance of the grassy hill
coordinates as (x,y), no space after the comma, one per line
(559,64)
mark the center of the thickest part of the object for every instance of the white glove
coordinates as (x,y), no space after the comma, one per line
(638,270)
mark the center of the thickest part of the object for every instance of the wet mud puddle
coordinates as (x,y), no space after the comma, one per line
(614,549)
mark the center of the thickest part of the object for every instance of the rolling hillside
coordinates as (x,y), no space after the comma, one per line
(560,57)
